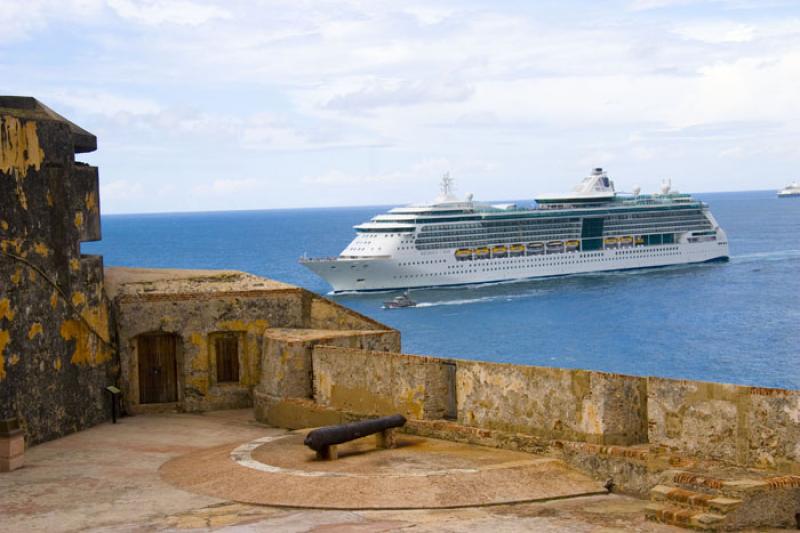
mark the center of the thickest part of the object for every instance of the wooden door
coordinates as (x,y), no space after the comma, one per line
(158,371)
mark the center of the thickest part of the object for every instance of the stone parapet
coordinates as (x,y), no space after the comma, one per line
(752,426)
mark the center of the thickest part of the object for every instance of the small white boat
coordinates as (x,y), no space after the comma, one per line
(790,190)
(404,300)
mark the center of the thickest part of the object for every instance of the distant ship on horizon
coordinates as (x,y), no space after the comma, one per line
(793,189)
(453,241)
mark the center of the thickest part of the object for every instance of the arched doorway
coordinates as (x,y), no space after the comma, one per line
(158,372)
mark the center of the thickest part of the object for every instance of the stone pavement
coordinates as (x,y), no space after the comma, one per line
(107,479)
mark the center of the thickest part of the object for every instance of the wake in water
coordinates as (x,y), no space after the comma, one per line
(780,255)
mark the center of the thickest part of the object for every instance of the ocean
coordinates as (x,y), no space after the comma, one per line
(735,322)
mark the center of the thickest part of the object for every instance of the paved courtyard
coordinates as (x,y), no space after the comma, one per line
(162,472)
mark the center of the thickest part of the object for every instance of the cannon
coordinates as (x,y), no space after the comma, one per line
(325,440)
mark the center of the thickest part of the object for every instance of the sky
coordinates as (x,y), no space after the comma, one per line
(251,104)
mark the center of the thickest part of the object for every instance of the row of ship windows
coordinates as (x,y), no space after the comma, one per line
(430,231)
(551,262)
(503,224)
(446,230)
(429,262)
(639,217)
(543,218)
(639,228)
(428,244)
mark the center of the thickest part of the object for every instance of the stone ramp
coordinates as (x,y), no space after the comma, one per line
(422,473)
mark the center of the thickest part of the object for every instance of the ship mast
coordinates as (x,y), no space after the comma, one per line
(446,188)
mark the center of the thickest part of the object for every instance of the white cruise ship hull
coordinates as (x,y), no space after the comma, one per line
(438,268)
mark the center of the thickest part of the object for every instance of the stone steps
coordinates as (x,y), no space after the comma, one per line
(689,499)
(682,517)
(699,500)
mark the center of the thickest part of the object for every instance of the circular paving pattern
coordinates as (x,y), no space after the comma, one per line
(420,473)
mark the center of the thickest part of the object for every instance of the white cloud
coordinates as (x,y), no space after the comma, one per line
(106,103)
(718,32)
(237,86)
(229,186)
(398,92)
(119,191)
(157,12)
(424,173)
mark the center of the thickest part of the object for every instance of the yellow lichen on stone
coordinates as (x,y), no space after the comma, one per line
(97,317)
(91,202)
(5,337)
(78,219)
(250,326)
(13,246)
(57,363)
(88,351)
(74,264)
(50,199)
(53,299)
(36,329)
(5,309)
(200,360)
(41,249)
(19,146)
(3,225)
(14,359)
(78,298)
(19,151)
(16,277)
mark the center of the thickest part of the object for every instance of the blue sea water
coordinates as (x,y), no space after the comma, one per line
(736,322)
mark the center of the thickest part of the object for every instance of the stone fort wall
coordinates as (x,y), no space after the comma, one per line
(538,408)
(56,344)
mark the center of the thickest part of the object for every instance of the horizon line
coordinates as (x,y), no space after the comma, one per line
(351,206)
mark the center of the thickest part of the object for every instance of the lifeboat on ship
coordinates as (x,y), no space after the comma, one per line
(573,245)
(626,241)
(482,253)
(639,240)
(555,247)
(499,251)
(463,254)
(610,242)
(535,248)
(517,250)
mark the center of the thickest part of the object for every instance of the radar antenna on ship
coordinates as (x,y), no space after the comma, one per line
(446,188)
(446,185)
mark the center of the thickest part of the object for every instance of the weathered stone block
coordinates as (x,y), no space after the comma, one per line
(553,403)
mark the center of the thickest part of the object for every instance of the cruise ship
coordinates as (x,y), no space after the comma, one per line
(790,191)
(453,241)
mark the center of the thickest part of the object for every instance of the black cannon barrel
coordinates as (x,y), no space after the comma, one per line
(318,439)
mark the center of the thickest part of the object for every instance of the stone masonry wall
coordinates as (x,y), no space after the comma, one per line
(287,368)
(194,318)
(751,426)
(378,383)
(324,314)
(747,426)
(56,345)
(557,403)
